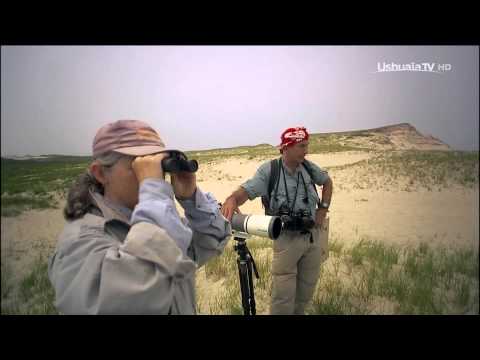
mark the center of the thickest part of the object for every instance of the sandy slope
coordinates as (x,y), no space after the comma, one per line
(389,215)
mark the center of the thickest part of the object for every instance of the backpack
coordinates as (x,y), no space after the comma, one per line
(275,165)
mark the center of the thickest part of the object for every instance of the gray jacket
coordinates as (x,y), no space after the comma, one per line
(105,265)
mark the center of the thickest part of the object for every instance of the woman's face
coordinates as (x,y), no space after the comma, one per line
(121,184)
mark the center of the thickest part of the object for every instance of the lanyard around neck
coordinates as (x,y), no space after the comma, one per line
(296,189)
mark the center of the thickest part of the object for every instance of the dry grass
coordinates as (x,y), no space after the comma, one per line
(368,277)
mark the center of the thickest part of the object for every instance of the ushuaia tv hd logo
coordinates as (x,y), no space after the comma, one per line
(414,67)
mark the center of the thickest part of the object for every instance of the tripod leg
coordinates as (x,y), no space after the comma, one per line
(250,288)
(244,286)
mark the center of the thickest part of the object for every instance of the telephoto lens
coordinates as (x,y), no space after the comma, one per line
(177,162)
(260,225)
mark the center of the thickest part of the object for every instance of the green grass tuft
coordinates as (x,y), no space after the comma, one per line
(33,295)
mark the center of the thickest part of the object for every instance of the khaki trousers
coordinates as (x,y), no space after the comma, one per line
(295,269)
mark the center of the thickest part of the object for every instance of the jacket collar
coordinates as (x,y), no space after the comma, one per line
(109,211)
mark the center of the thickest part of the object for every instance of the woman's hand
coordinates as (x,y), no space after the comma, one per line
(184,184)
(149,166)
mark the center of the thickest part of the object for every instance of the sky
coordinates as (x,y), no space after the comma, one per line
(55,98)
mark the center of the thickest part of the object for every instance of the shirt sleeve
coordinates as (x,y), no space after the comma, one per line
(258,185)
(156,206)
(211,230)
(320,176)
(203,214)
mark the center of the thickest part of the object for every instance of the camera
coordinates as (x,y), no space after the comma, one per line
(177,162)
(300,220)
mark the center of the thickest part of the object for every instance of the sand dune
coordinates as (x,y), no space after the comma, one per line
(447,217)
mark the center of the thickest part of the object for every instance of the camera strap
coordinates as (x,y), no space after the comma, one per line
(274,179)
(296,189)
(305,200)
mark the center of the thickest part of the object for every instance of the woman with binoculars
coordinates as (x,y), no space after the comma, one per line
(125,249)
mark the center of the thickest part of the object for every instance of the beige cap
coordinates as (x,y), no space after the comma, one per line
(130,137)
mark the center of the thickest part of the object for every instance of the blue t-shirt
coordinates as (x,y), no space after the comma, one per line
(258,186)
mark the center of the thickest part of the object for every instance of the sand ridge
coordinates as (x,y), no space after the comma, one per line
(447,217)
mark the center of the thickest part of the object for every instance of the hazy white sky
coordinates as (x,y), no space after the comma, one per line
(54,98)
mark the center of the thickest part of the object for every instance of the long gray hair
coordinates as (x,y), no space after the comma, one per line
(79,201)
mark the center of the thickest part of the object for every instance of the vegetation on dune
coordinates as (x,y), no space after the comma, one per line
(33,294)
(31,184)
(410,169)
(368,277)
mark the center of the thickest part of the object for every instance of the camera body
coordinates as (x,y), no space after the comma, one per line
(300,220)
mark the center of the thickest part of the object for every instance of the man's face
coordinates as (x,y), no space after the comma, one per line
(297,152)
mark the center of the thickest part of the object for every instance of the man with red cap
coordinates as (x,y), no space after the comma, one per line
(287,188)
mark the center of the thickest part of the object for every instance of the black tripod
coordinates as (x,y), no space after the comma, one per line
(245,263)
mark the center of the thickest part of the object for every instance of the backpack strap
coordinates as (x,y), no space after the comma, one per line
(306,164)
(273,179)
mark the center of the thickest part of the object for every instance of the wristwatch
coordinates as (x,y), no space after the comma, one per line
(324,205)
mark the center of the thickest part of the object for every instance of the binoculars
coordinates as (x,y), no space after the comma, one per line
(177,162)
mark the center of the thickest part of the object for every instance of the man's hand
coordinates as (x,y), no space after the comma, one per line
(230,207)
(149,166)
(320,216)
(184,184)
(231,204)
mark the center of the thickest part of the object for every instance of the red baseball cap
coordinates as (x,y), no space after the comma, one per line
(130,137)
